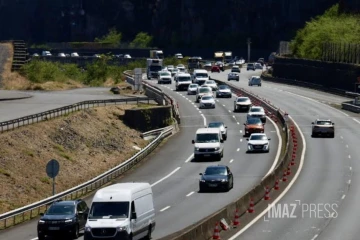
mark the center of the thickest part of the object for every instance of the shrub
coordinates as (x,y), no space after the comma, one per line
(142,40)
(113,38)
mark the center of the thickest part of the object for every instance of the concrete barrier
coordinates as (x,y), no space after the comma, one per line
(203,230)
(349,106)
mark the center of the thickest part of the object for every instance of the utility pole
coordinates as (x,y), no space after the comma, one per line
(248,43)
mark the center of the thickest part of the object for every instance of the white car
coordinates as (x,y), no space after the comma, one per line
(212,84)
(202,91)
(170,68)
(174,71)
(183,81)
(192,89)
(207,102)
(127,56)
(179,56)
(240,61)
(74,54)
(257,112)
(223,91)
(242,103)
(258,66)
(258,142)
(208,64)
(61,55)
(255,80)
(164,77)
(181,69)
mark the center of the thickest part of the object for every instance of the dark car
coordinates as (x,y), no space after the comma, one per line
(216,178)
(63,218)
(250,66)
(253,125)
(215,68)
(222,126)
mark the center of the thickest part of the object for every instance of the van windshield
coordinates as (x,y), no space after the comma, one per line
(207,138)
(155,68)
(202,75)
(184,79)
(100,210)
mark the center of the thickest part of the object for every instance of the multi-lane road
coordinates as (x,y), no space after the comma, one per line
(330,173)
(171,170)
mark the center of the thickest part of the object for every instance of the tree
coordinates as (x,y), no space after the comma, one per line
(142,40)
(112,38)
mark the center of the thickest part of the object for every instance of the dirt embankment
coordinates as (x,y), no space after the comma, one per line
(85,143)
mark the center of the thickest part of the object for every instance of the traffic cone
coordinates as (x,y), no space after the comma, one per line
(288,172)
(292,162)
(267,194)
(216,232)
(236,219)
(277,187)
(285,176)
(251,207)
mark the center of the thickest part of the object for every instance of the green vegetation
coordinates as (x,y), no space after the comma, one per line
(330,27)
(4,172)
(113,38)
(142,40)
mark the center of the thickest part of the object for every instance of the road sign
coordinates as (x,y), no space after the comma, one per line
(52,168)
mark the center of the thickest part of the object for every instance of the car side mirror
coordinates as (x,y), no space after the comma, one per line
(225,126)
(86,216)
(200,174)
(333,123)
(247,139)
(269,138)
(244,124)
(222,140)
(312,123)
(133,215)
(41,214)
(193,141)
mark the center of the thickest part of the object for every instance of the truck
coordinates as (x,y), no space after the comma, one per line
(271,58)
(156,54)
(228,57)
(153,66)
(219,56)
(194,63)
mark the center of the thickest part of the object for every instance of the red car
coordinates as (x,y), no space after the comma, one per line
(215,69)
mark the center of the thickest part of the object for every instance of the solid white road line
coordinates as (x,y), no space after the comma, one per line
(190,194)
(356,120)
(204,119)
(343,196)
(285,190)
(238,149)
(34,238)
(189,158)
(350,168)
(167,176)
(241,139)
(349,156)
(276,160)
(165,208)
(349,182)
(315,237)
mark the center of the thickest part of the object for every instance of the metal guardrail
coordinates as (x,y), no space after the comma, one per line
(30,211)
(57,112)
(155,132)
(350,106)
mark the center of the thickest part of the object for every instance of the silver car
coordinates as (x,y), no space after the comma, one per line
(242,103)
(222,126)
(192,89)
(212,84)
(323,127)
(233,76)
(207,102)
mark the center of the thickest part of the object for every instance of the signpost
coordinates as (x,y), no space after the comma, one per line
(137,78)
(52,170)
(248,43)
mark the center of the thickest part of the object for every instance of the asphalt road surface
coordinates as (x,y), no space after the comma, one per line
(174,176)
(327,184)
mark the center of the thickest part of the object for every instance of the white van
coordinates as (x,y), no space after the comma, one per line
(200,76)
(121,211)
(208,143)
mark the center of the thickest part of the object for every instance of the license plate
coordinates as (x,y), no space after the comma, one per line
(207,155)
(212,185)
(54,228)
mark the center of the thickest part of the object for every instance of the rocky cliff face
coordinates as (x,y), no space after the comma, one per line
(186,23)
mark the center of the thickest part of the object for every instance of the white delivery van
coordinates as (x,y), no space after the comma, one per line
(208,143)
(200,76)
(121,211)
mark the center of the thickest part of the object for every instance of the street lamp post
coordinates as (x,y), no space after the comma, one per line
(248,43)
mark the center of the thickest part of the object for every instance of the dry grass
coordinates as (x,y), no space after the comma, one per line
(85,143)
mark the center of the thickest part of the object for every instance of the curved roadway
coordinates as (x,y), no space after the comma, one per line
(171,170)
(329,175)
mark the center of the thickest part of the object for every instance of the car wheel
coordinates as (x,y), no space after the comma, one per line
(201,189)
(333,135)
(232,183)
(237,80)
(259,85)
(76,232)
(41,237)
(148,236)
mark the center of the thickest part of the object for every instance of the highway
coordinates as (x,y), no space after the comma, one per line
(328,174)
(174,176)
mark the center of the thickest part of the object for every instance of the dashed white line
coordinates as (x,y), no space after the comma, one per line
(240,131)
(224,105)
(350,168)
(238,149)
(229,111)
(231,160)
(189,194)
(199,111)
(233,116)
(349,156)
(343,196)
(241,139)
(237,123)
(167,176)
(356,120)
(341,137)
(165,208)
(347,146)
(349,182)
(189,158)
(217,100)
(315,237)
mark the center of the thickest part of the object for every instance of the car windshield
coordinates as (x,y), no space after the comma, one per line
(207,98)
(193,86)
(215,124)
(215,171)
(254,121)
(58,209)
(101,210)
(207,138)
(155,68)
(170,66)
(256,110)
(250,65)
(204,90)
(323,123)
(209,82)
(184,79)
(258,137)
(223,87)
(235,68)
(164,74)
(242,99)
(203,75)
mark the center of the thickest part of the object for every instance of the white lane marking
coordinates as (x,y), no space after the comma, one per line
(276,160)
(313,100)
(349,182)
(341,137)
(224,105)
(233,116)
(189,194)
(167,176)
(231,160)
(237,123)
(204,119)
(238,149)
(283,193)
(217,100)
(229,111)
(350,168)
(356,120)
(349,156)
(199,111)
(347,146)
(34,238)
(240,131)
(165,208)
(241,139)
(315,237)
(343,196)
(189,158)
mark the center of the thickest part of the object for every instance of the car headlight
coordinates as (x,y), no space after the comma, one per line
(87,229)
(41,221)
(197,149)
(217,149)
(224,180)
(69,220)
(119,229)
(249,146)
